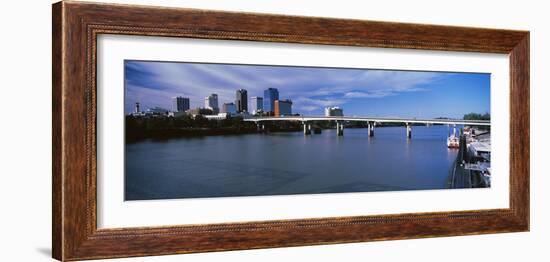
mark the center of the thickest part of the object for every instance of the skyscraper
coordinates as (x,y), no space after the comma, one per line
(211,102)
(257,104)
(283,108)
(270,95)
(241,101)
(229,108)
(334,111)
(180,104)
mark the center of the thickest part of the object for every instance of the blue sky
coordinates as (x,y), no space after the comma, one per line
(360,92)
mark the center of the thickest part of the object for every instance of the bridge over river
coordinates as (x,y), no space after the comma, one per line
(371,122)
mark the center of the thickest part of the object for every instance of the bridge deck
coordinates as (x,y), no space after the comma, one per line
(371,119)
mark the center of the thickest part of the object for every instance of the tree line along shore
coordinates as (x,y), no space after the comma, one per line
(139,128)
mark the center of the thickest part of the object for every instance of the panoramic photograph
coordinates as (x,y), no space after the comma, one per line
(202,130)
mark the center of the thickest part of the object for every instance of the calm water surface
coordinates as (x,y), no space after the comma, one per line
(289,163)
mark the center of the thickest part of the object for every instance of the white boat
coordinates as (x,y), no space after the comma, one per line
(452,140)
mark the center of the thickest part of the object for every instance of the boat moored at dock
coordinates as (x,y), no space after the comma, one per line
(453,140)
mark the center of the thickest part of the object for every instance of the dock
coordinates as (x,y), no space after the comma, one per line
(472,166)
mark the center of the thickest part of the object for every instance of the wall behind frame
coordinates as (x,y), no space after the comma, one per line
(25,136)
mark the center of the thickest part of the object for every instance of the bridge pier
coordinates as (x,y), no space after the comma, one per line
(260,127)
(307,128)
(409,131)
(339,128)
(370,129)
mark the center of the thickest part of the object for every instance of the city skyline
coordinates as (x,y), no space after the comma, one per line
(358,91)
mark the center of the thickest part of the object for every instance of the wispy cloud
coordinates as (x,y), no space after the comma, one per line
(371,94)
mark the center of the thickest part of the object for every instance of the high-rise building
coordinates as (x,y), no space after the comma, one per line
(211,102)
(241,101)
(229,108)
(270,95)
(136,109)
(257,104)
(334,111)
(283,107)
(180,104)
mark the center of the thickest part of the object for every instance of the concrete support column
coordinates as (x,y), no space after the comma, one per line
(258,126)
(307,130)
(371,129)
(409,131)
(339,128)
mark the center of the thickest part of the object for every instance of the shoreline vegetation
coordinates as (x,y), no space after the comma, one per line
(161,127)
(140,128)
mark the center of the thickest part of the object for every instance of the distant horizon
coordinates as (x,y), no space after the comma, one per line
(359,92)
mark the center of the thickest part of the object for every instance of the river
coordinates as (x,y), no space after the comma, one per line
(289,163)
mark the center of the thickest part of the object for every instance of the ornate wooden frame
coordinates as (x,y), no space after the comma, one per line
(76,26)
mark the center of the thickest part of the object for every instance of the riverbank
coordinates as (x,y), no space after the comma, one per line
(161,134)
(140,128)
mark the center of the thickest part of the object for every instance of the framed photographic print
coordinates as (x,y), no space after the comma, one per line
(183,130)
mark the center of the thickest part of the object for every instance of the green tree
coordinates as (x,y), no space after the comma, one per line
(476,116)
